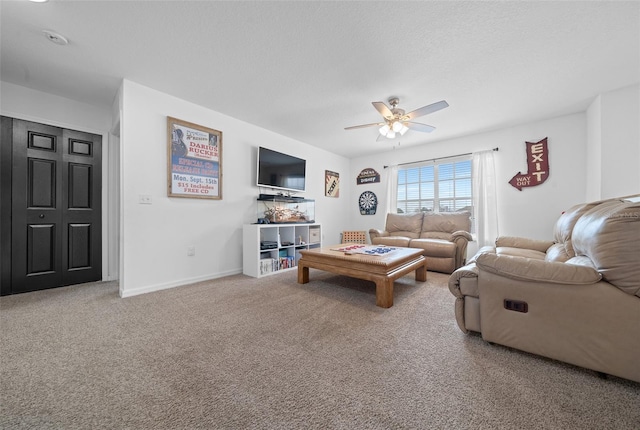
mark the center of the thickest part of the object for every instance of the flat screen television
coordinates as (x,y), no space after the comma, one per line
(280,171)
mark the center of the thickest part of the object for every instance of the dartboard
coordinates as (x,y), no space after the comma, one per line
(368,203)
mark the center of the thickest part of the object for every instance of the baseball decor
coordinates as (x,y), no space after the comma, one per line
(537,164)
(368,203)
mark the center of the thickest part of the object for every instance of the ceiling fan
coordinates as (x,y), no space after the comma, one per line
(396,121)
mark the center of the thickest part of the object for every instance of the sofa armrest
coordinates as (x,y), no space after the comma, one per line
(526,269)
(524,243)
(373,233)
(460,234)
(461,238)
(484,250)
(468,271)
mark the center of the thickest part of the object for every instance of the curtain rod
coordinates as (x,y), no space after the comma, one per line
(439,158)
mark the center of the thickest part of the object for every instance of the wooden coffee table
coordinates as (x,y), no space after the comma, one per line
(381,269)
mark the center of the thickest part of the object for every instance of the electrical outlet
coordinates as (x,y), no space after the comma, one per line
(191,251)
(144,199)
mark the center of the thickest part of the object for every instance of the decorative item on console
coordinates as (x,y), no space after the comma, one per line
(285,215)
(285,210)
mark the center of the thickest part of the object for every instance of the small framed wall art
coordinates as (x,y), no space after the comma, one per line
(331,184)
(194,160)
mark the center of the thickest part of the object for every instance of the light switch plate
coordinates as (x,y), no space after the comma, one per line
(144,199)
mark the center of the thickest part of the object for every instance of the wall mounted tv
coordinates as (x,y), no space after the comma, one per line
(281,171)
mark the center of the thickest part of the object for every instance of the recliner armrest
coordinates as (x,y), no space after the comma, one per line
(373,233)
(460,234)
(468,271)
(527,269)
(524,243)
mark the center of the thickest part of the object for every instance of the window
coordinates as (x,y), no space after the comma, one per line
(435,187)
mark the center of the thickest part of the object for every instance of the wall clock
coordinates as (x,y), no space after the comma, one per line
(368,203)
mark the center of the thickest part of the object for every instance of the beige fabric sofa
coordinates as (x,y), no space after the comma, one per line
(443,237)
(576,299)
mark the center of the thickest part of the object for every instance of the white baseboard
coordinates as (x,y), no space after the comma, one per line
(159,287)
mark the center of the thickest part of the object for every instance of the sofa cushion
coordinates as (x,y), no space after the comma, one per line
(404,225)
(523,243)
(609,234)
(436,235)
(435,247)
(562,250)
(485,249)
(520,252)
(446,222)
(401,241)
(581,260)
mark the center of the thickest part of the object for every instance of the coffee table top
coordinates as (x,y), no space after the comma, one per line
(393,258)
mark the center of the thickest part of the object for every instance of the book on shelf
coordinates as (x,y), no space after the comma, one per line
(287,262)
(268,265)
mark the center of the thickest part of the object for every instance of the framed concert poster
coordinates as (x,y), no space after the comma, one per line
(194,160)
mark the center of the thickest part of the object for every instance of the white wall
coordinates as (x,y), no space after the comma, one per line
(45,108)
(593,149)
(155,237)
(31,105)
(531,212)
(614,143)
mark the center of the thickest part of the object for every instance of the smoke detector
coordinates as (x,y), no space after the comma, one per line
(54,37)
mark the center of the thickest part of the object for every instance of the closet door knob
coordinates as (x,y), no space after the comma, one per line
(41,215)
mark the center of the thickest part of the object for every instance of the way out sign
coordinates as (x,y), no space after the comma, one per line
(537,164)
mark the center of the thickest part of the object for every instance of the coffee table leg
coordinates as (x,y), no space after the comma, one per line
(421,272)
(303,274)
(384,292)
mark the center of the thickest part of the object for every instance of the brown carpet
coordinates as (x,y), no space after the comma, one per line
(265,354)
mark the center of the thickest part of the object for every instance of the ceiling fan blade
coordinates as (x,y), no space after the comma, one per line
(353,127)
(383,109)
(420,127)
(425,110)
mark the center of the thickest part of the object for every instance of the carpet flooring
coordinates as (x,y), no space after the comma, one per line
(244,353)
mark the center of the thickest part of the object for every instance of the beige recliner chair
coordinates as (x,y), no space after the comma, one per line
(560,249)
(576,299)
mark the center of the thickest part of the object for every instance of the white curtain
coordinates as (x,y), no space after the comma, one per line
(485,204)
(392,189)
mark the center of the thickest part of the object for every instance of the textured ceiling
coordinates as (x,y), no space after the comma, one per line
(307,69)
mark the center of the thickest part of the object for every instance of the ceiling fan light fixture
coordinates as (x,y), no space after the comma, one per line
(395,120)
